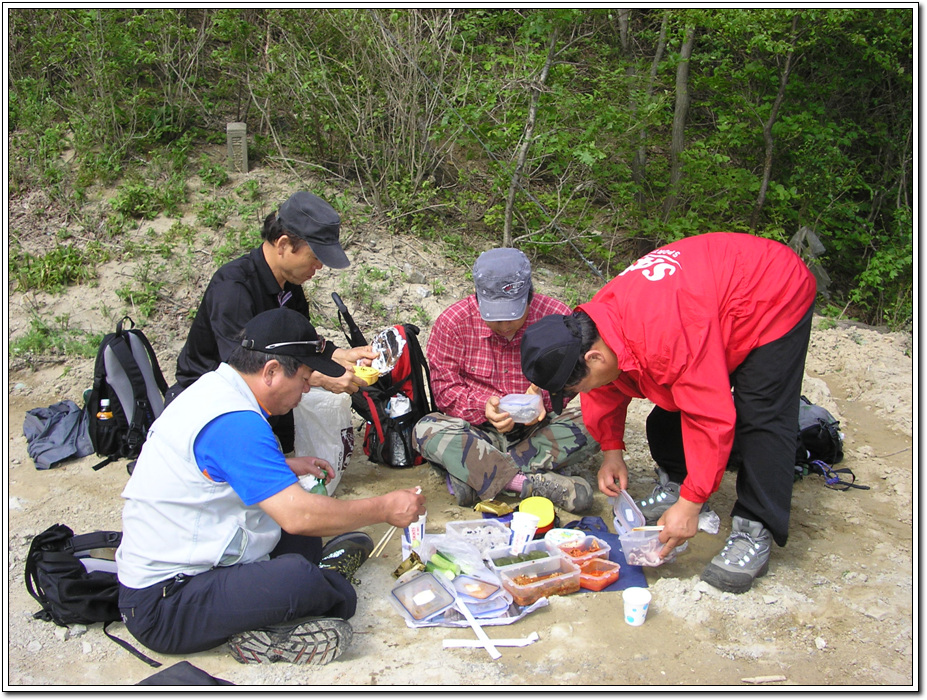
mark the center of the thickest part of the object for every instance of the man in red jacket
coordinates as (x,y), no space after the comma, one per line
(681,327)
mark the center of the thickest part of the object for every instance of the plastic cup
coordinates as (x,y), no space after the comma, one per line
(636,603)
(524,525)
(413,534)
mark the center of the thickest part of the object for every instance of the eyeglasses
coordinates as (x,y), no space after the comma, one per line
(319,344)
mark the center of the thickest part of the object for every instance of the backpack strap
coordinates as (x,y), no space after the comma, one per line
(129,648)
(123,352)
(426,402)
(53,539)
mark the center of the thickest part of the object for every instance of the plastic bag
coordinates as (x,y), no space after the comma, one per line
(324,429)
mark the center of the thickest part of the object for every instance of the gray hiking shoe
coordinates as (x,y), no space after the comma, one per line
(664,494)
(313,641)
(572,493)
(744,558)
(465,494)
(345,554)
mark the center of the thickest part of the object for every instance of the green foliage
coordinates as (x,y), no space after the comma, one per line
(55,337)
(144,292)
(425,111)
(61,266)
(236,243)
(213,174)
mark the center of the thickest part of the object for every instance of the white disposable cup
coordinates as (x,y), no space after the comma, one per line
(636,602)
(524,525)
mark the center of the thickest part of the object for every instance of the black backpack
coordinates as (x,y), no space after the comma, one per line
(127,373)
(65,576)
(820,447)
(818,434)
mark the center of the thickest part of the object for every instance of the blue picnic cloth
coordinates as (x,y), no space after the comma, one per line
(630,575)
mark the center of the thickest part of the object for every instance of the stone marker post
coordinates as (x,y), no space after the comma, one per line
(237,136)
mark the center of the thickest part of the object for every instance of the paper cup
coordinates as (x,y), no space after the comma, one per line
(524,525)
(636,602)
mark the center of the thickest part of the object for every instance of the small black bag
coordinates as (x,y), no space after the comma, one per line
(69,592)
(128,374)
(820,447)
(819,436)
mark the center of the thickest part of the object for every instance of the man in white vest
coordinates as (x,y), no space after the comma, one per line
(220,543)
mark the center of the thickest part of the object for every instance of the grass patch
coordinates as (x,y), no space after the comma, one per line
(63,265)
(55,337)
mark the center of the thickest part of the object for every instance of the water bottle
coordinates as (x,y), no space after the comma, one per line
(104,413)
(399,406)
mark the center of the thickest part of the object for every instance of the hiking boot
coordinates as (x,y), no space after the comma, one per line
(345,554)
(664,494)
(744,558)
(465,494)
(313,641)
(572,493)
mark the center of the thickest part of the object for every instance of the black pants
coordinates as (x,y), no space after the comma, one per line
(188,614)
(283,426)
(767,390)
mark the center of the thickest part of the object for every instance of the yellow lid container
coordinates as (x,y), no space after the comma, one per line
(368,374)
(541,507)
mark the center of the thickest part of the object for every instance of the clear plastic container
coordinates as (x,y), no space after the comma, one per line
(640,548)
(596,574)
(523,408)
(420,596)
(583,550)
(483,534)
(535,547)
(533,580)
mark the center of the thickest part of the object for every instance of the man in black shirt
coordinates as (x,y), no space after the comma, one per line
(299,239)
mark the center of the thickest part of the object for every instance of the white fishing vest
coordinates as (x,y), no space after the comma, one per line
(175,520)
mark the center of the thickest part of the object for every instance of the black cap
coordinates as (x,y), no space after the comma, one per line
(287,332)
(316,222)
(549,352)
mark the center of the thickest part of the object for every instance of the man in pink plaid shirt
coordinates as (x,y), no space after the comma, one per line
(474,351)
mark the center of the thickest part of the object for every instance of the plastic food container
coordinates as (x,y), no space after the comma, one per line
(477,589)
(580,551)
(483,534)
(596,574)
(640,548)
(421,596)
(536,549)
(559,535)
(533,580)
(523,408)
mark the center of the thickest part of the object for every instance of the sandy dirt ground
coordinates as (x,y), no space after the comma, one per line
(837,609)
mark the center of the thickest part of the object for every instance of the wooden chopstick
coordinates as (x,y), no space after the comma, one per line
(381,545)
(647,528)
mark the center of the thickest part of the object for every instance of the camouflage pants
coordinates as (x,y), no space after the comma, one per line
(487,460)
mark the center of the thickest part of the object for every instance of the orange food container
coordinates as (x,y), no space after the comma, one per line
(596,574)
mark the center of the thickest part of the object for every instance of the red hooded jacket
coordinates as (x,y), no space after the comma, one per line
(680,320)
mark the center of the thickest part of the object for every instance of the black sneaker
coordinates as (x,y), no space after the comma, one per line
(345,554)
(572,493)
(744,559)
(465,494)
(312,641)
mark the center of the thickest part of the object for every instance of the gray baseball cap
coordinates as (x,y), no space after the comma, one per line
(502,277)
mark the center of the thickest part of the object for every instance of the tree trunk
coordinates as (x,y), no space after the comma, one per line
(767,128)
(679,121)
(639,159)
(526,142)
